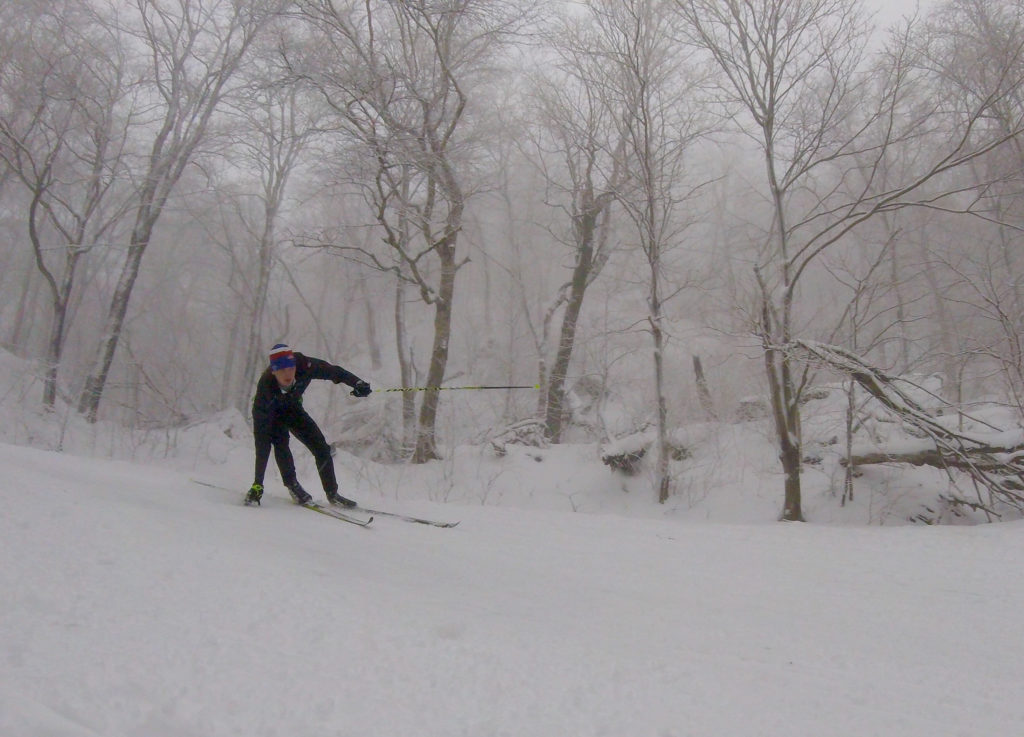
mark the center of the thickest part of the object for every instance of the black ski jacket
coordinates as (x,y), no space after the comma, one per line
(272,402)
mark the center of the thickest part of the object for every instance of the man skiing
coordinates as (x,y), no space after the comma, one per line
(277,409)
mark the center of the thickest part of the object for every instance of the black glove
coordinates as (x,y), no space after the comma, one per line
(361,389)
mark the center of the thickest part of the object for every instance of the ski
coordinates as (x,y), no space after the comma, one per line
(336,511)
(212,486)
(337,514)
(407,518)
(329,511)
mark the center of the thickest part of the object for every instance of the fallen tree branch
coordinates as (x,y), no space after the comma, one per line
(1000,470)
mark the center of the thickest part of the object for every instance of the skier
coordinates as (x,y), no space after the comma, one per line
(277,409)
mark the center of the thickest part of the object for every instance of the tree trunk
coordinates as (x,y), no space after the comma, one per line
(848,476)
(232,386)
(376,361)
(702,391)
(426,441)
(786,415)
(60,297)
(945,329)
(790,457)
(253,346)
(664,479)
(23,316)
(555,405)
(89,402)
(58,327)
(406,370)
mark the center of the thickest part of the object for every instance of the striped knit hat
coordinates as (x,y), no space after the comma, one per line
(281,357)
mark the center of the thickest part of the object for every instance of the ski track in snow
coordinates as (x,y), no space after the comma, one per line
(138,604)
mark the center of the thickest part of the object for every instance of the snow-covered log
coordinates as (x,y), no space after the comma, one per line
(530,432)
(990,460)
(624,454)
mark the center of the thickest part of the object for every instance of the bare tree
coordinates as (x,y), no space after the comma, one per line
(63,129)
(858,273)
(399,76)
(972,45)
(795,72)
(649,81)
(269,125)
(282,120)
(580,148)
(193,51)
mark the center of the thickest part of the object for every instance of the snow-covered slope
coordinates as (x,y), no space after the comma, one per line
(138,604)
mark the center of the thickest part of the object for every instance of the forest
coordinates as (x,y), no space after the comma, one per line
(628,219)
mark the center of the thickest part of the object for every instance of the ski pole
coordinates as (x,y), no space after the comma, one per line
(452,388)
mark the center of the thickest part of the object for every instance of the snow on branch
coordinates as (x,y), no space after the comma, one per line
(997,468)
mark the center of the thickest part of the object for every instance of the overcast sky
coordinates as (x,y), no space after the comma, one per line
(890,11)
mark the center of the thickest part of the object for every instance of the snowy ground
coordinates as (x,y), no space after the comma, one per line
(136,603)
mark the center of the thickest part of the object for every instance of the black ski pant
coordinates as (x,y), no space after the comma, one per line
(275,434)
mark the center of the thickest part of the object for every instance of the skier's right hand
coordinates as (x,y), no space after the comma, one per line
(361,389)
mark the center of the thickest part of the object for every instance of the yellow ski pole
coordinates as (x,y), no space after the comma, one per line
(454,388)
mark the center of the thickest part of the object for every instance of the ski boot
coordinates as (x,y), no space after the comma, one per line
(335,498)
(299,495)
(254,495)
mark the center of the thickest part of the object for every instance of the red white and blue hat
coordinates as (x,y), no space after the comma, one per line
(281,357)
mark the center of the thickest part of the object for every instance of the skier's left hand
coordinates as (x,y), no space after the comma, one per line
(361,389)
